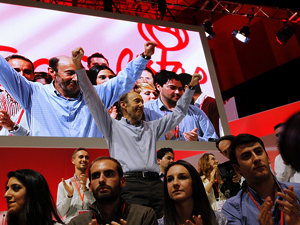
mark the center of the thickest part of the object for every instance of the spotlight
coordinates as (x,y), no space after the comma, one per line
(208,27)
(243,34)
(285,33)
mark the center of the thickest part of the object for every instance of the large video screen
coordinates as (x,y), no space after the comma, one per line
(40,31)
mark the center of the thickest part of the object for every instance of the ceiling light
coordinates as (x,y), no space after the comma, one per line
(243,34)
(285,33)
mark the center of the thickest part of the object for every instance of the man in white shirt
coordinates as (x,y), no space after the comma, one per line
(73,196)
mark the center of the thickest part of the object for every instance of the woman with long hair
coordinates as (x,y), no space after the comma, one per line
(185,200)
(29,201)
(210,176)
(100,74)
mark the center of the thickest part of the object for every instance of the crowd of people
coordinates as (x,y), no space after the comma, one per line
(136,184)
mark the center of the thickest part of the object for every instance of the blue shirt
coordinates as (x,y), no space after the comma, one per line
(241,209)
(195,118)
(50,114)
(134,146)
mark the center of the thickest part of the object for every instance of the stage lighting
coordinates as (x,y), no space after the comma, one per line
(243,34)
(208,29)
(285,33)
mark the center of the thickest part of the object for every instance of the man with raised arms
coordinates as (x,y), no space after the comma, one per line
(58,109)
(131,140)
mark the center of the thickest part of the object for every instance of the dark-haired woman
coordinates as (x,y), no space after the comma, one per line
(185,200)
(29,201)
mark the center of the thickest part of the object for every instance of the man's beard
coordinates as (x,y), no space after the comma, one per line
(109,197)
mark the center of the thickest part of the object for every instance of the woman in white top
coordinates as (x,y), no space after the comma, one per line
(210,176)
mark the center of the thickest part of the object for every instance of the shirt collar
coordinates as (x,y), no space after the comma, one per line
(161,105)
(257,197)
(128,122)
(52,87)
(200,98)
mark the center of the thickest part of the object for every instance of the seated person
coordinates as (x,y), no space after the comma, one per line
(107,181)
(210,176)
(264,200)
(185,200)
(29,200)
(165,156)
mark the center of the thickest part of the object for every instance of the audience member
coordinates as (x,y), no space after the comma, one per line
(195,126)
(29,200)
(283,171)
(107,181)
(42,77)
(13,121)
(132,141)
(289,141)
(147,76)
(73,196)
(185,200)
(210,176)
(58,109)
(206,103)
(165,156)
(100,74)
(147,91)
(25,68)
(96,59)
(265,200)
(232,181)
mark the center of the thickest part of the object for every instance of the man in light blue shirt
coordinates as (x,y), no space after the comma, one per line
(194,127)
(264,200)
(58,109)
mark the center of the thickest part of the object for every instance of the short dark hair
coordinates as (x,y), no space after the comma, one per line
(278,125)
(164,76)
(201,203)
(77,150)
(94,70)
(226,137)
(150,71)
(42,75)
(242,139)
(161,152)
(15,56)
(53,62)
(187,79)
(96,55)
(39,205)
(119,167)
